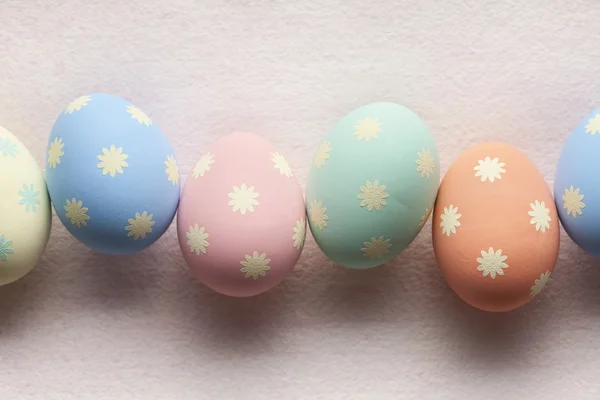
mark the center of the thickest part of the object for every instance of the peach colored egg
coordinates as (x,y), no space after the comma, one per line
(495,228)
(241,222)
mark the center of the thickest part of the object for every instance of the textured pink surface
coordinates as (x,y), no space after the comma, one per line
(88,327)
(241,158)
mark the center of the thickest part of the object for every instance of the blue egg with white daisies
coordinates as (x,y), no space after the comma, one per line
(577,184)
(111,174)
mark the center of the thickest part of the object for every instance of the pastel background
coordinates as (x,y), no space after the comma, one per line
(86,326)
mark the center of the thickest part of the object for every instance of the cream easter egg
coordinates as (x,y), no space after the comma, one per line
(495,228)
(241,220)
(25,213)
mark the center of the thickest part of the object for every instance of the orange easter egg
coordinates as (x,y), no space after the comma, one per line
(495,228)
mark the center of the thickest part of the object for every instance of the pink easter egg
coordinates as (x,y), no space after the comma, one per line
(241,221)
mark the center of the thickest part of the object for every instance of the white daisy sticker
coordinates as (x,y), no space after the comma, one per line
(55,152)
(243,199)
(540,283)
(490,169)
(572,201)
(425,216)
(367,129)
(139,115)
(450,219)
(281,164)
(299,233)
(172,170)
(425,163)
(77,104)
(373,196)
(322,154)
(376,248)
(492,263)
(255,266)
(76,212)
(593,125)
(140,226)
(203,166)
(540,216)
(318,214)
(197,239)
(112,161)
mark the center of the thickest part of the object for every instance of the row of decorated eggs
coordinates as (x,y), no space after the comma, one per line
(113,180)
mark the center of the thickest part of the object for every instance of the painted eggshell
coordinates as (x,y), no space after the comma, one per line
(372,185)
(111,174)
(577,184)
(241,221)
(25,214)
(495,228)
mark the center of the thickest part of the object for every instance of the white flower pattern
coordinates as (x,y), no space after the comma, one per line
(203,166)
(243,199)
(492,263)
(489,169)
(318,214)
(197,239)
(322,154)
(172,170)
(425,163)
(367,129)
(373,196)
(593,125)
(140,226)
(299,234)
(76,212)
(139,115)
(55,152)
(280,163)
(540,283)
(572,201)
(77,104)
(112,161)
(450,220)
(540,216)
(255,266)
(376,248)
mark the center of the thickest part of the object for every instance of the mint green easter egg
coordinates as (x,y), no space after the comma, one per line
(372,185)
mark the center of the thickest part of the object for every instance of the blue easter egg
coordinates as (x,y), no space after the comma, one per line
(577,184)
(111,174)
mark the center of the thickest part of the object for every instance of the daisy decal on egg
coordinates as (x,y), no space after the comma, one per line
(367,129)
(197,239)
(243,199)
(425,163)
(540,216)
(489,169)
(540,284)
(8,148)
(281,164)
(318,214)
(112,161)
(376,248)
(373,196)
(450,219)
(492,263)
(172,170)
(140,226)
(203,166)
(255,266)
(76,212)
(55,152)
(572,201)
(299,233)
(77,104)
(322,154)
(139,115)
(593,125)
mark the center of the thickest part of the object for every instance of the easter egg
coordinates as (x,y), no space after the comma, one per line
(495,228)
(241,221)
(111,174)
(372,184)
(577,184)
(25,214)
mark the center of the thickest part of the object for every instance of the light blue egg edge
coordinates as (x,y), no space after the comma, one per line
(351,163)
(577,167)
(111,201)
